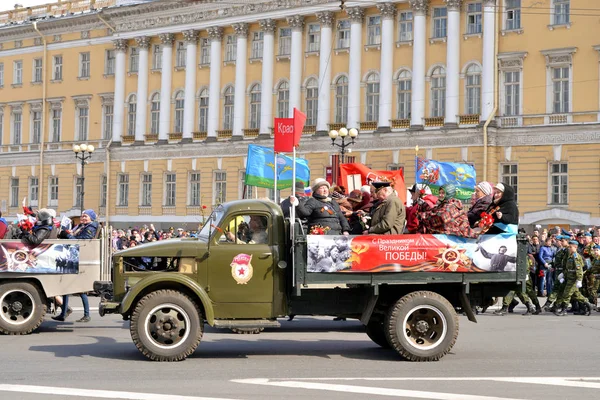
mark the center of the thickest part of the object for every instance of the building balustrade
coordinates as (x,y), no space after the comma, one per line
(145,210)
(55,9)
(469,119)
(250,133)
(175,137)
(309,129)
(152,138)
(434,122)
(198,136)
(400,123)
(224,134)
(337,126)
(169,210)
(368,125)
(128,139)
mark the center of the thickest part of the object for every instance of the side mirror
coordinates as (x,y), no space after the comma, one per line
(282,264)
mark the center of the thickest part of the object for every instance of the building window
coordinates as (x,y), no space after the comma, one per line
(228,107)
(246,191)
(513,14)
(103,190)
(313,38)
(562,11)
(180,55)
(512,93)
(374,30)
(1,75)
(438,92)
(283,100)
(285,41)
(230,48)
(220,192)
(204,51)
(157,57)
(341,100)
(372,113)
(18,72)
(57,68)
(194,189)
(170,190)
(37,70)
(14,192)
(78,190)
(405,26)
(404,94)
(109,62)
(203,111)
(312,102)
(56,125)
(474,18)
(559,186)
(131,114)
(36,126)
(123,193)
(17,127)
(560,90)
(440,21)
(146,200)
(179,105)
(343,34)
(257,44)
(108,111)
(134,59)
(154,113)
(84,65)
(53,191)
(473,89)
(255,106)
(82,122)
(34,190)
(509,176)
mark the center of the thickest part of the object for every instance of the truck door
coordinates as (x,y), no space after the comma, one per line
(241,265)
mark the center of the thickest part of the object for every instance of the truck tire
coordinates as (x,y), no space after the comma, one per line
(166,325)
(376,332)
(422,326)
(247,331)
(21,308)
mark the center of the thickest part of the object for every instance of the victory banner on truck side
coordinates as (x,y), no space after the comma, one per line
(43,259)
(411,253)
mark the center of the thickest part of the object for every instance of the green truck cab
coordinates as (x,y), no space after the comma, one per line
(227,279)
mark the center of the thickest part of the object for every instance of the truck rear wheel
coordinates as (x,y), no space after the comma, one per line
(166,325)
(376,332)
(422,326)
(21,308)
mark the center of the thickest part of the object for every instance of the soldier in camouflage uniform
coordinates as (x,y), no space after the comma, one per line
(594,277)
(529,298)
(573,275)
(560,259)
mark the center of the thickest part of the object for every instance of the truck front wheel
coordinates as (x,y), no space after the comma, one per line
(166,325)
(422,326)
(21,308)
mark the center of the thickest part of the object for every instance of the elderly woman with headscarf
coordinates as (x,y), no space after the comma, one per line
(321,210)
(448,216)
(482,198)
(503,208)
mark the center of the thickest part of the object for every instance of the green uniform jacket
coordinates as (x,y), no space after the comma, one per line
(559,260)
(574,267)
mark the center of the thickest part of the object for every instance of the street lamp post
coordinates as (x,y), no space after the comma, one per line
(83,152)
(343,133)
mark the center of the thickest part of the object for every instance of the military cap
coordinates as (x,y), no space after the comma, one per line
(596,247)
(559,237)
(575,242)
(587,234)
(379,185)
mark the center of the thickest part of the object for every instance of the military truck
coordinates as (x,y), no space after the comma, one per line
(405,289)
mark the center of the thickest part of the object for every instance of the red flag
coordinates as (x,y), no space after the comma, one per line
(367,175)
(299,120)
(284,135)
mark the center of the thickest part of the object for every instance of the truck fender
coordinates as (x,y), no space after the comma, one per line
(160,281)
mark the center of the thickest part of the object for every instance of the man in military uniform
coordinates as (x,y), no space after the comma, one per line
(560,259)
(594,277)
(573,276)
(529,298)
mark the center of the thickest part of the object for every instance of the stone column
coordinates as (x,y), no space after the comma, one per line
(143,43)
(214,90)
(239,104)
(453,63)
(324,108)
(119,99)
(189,101)
(356,15)
(419,8)
(165,86)
(487,73)
(296,23)
(388,11)
(266,96)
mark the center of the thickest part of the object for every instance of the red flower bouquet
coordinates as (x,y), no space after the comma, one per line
(486,221)
(318,230)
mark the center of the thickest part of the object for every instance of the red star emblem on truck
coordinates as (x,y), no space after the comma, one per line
(241,268)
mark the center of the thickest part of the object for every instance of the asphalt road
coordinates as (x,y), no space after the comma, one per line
(511,357)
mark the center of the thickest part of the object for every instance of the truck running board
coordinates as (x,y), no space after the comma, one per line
(246,323)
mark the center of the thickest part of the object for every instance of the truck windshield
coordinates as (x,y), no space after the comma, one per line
(214,219)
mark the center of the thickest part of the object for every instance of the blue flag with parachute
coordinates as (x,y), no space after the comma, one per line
(436,174)
(261,169)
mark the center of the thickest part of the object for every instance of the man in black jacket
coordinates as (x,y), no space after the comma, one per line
(298,193)
(41,230)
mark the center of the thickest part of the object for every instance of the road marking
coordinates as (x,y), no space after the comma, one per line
(414,394)
(103,394)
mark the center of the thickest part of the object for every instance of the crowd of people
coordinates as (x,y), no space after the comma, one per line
(135,236)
